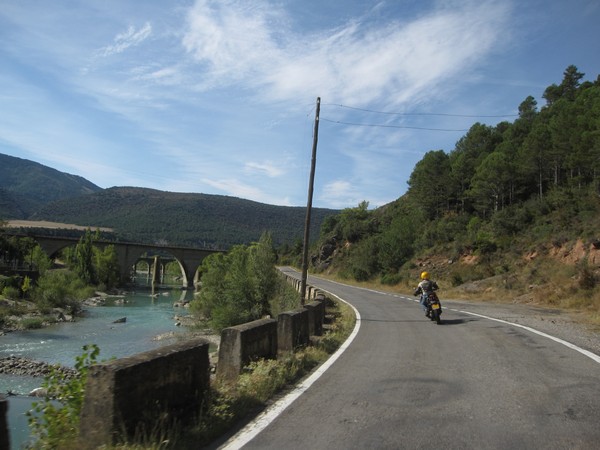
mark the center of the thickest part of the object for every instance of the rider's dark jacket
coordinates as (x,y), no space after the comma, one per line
(426,287)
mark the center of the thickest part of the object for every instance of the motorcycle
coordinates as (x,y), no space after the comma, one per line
(434,307)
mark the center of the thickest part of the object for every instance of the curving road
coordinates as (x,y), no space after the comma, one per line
(405,383)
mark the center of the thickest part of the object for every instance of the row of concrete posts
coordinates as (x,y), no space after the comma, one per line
(133,397)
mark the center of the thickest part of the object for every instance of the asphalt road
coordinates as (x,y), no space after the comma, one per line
(471,383)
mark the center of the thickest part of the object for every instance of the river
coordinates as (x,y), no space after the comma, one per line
(148,314)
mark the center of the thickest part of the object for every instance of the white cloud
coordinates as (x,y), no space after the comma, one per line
(130,38)
(360,62)
(266,168)
(340,194)
(233,38)
(236,188)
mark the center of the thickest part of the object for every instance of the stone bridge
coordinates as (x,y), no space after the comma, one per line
(129,253)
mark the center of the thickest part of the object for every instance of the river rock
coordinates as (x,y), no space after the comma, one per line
(121,320)
(39,392)
(15,365)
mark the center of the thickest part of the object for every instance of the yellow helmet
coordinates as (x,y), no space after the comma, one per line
(424,275)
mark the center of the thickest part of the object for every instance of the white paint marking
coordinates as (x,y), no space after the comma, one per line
(587,353)
(247,433)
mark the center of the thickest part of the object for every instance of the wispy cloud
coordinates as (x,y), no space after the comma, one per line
(130,38)
(236,188)
(267,168)
(360,62)
(340,194)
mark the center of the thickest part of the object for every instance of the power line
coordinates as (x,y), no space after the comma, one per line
(388,126)
(421,114)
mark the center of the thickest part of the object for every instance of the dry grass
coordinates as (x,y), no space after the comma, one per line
(50,225)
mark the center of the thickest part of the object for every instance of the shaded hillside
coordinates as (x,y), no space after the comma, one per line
(25,186)
(186,219)
(13,205)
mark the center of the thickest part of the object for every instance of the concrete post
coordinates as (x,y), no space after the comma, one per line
(132,396)
(244,343)
(4,437)
(292,330)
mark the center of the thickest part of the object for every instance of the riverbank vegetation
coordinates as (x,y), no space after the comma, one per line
(241,286)
(54,420)
(37,291)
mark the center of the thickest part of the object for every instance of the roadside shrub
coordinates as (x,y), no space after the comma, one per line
(363,259)
(456,279)
(485,244)
(391,279)
(587,279)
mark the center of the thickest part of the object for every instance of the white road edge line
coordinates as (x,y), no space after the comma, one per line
(587,353)
(247,433)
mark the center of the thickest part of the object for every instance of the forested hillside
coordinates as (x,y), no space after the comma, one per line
(183,219)
(500,204)
(29,190)
(26,185)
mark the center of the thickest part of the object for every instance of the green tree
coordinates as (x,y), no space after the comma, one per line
(534,155)
(84,258)
(468,153)
(239,286)
(397,242)
(429,183)
(363,259)
(262,266)
(354,223)
(566,89)
(106,266)
(61,289)
(491,183)
(41,260)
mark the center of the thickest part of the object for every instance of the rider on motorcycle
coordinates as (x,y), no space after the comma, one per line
(425,288)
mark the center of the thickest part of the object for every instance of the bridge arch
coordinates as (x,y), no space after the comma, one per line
(189,258)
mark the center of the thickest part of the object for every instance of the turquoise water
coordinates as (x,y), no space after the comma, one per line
(147,316)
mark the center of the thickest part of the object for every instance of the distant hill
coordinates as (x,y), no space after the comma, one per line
(26,186)
(158,217)
(32,191)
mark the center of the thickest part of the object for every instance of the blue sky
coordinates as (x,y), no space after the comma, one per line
(218,97)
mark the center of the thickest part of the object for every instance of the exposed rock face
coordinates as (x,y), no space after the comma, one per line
(325,255)
(573,254)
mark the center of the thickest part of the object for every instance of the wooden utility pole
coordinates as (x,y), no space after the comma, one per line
(309,204)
